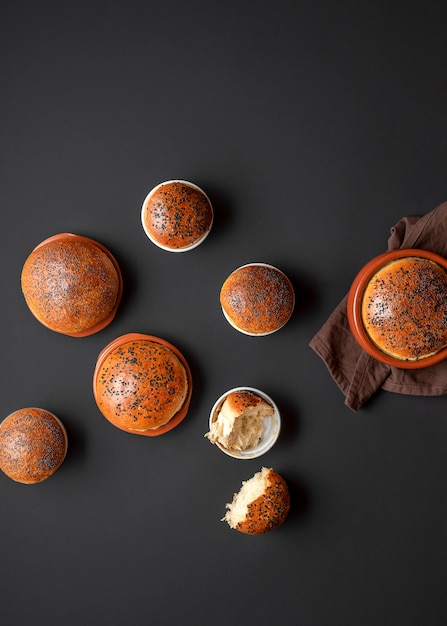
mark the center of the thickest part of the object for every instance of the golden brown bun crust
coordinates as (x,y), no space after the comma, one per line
(70,285)
(33,445)
(257,299)
(240,401)
(177,215)
(404,308)
(141,385)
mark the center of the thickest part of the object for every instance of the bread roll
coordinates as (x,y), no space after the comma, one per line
(177,215)
(71,285)
(140,385)
(33,445)
(257,299)
(239,423)
(404,308)
(262,504)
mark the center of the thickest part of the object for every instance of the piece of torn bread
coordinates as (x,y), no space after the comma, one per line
(239,422)
(262,503)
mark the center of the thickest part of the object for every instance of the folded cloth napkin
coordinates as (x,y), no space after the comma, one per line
(357,374)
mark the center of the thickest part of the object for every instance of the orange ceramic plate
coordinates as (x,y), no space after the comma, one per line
(123,339)
(106,321)
(354,307)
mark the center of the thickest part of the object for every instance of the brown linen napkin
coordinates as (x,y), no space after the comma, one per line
(357,374)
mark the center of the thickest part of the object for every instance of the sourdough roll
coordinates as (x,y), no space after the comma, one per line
(239,423)
(140,385)
(177,215)
(257,299)
(262,504)
(33,445)
(404,308)
(71,284)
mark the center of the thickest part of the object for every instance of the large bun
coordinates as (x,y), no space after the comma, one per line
(142,384)
(33,445)
(177,215)
(72,284)
(262,504)
(257,299)
(404,308)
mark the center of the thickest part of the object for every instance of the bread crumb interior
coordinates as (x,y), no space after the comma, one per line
(250,491)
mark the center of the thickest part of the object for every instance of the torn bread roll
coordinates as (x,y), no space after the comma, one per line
(262,504)
(239,423)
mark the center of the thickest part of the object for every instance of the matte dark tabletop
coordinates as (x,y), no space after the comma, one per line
(313,127)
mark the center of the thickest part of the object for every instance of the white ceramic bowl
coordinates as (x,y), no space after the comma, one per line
(271,430)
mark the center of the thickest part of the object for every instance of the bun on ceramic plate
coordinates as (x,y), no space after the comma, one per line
(33,445)
(397,308)
(72,284)
(404,308)
(177,215)
(142,384)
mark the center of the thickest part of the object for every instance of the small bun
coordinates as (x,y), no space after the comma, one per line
(140,385)
(262,504)
(33,445)
(257,299)
(404,308)
(239,422)
(177,215)
(72,285)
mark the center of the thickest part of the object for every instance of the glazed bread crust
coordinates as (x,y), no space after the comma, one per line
(240,401)
(177,214)
(33,445)
(69,286)
(141,385)
(404,308)
(257,299)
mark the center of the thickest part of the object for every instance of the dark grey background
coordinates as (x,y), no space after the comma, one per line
(313,127)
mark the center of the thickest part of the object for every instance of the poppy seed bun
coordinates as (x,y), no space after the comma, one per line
(257,299)
(33,445)
(71,284)
(140,385)
(262,504)
(177,215)
(240,421)
(404,308)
